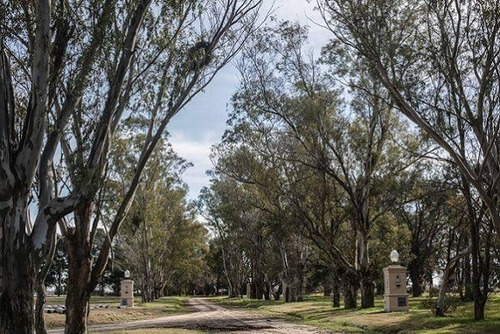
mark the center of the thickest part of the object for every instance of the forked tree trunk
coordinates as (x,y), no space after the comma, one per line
(479,305)
(236,291)
(20,261)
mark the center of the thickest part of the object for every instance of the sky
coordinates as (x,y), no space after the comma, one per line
(202,122)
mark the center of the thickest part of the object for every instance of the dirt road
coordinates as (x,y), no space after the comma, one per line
(213,318)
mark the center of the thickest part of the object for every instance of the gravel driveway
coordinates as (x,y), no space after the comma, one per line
(213,318)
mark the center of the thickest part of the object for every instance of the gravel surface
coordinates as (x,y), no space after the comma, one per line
(213,318)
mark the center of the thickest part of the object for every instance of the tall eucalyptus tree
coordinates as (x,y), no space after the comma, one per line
(438,62)
(298,117)
(69,71)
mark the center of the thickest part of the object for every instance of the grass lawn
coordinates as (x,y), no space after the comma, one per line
(161,307)
(317,311)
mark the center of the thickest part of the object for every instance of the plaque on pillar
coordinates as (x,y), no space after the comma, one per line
(395,296)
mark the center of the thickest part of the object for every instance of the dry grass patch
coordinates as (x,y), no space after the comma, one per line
(109,316)
(161,307)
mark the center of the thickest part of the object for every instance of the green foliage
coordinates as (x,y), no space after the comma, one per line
(162,243)
(333,168)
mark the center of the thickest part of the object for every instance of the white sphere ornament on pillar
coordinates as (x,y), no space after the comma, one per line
(127,274)
(394,256)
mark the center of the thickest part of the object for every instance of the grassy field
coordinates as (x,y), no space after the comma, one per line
(317,311)
(161,307)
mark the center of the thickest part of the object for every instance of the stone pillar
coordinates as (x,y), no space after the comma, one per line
(249,290)
(127,292)
(395,296)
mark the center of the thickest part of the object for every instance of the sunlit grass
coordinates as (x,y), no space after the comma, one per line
(158,308)
(318,311)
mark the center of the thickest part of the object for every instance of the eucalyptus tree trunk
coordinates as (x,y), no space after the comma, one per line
(79,267)
(41,296)
(148,291)
(258,280)
(17,280)
(22,246)
(174,91)
(441,300)
(350,295)
(335,293)
(468,294)
(350,286)
(267,290)
(291,290)
(480,263)
(41,291)
(414,269)
(21,256)
(19,268)
(365,271)
(367,290)
(480,297)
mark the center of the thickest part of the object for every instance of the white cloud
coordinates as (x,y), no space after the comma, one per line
(196,151)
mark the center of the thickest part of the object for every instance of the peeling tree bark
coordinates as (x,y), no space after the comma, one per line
(21,251)
(18,276)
